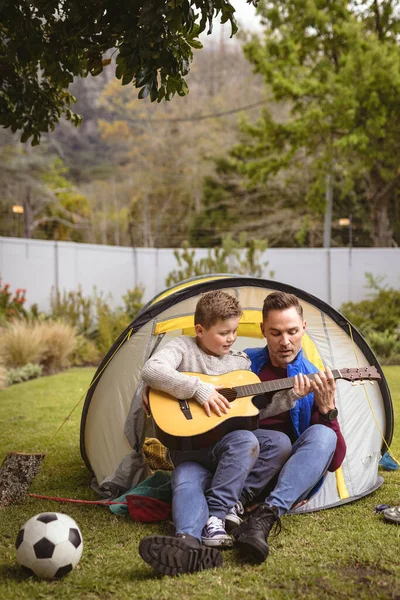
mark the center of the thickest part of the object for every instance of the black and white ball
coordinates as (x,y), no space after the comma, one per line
(49,545)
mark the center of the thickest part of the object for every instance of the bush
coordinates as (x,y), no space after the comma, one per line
(386,345)
(109,326)
(11,305)
(20,374)
(241,257)
(46,343)
(58,342)
(3,378)
(85,352)
(133,300)
(92,315)
(74,308)
(378,320)
(20,344)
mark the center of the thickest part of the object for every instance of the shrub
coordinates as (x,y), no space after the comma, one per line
(46,343)
(3,378)
(110,325)
(378,320)
(85,352)
(20,344)
(11,305)
(74,308)
(133,300)
(20,374)
(58,342)
(386,345)
(241,257)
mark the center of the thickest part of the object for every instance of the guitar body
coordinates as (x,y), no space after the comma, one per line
(178,432)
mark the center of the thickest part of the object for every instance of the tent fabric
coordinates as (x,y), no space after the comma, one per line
(114,426)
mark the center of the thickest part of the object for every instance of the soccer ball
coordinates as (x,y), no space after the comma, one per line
(49,545)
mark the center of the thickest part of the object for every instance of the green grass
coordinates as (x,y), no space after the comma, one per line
(347,552)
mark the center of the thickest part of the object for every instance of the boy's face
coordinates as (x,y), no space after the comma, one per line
(283,330)
(218,339)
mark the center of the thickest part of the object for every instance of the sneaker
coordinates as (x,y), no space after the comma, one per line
(175,555)
(233,518)
(252,535)
(214,533)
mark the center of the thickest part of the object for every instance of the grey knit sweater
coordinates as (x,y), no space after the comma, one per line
(163,372)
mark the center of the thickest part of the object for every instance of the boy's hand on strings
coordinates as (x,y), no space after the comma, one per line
(216,403)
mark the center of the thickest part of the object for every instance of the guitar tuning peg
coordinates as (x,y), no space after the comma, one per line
(354,383)
(362,382)
(372,382)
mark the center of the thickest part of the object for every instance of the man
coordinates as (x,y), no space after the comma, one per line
(311,426)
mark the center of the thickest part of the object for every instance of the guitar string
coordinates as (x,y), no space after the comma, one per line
(370,403)
(274,386)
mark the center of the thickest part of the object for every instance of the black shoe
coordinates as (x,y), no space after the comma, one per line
(252,535)
(174,555)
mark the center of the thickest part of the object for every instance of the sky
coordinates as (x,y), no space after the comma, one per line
(246,17)
(246,14)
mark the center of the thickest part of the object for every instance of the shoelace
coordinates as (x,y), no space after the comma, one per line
(276,525)
(215,525)
(238,508)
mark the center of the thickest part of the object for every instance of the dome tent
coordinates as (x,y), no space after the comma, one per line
(113,423)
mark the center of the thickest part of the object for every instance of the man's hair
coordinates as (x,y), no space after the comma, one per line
(216,306)
(281,301)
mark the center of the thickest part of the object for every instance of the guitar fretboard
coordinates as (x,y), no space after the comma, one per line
(275,385)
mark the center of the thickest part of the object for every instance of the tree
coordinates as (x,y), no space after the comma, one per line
(336,66)
(52,207)
(45,44)
(161,153)
(273,211)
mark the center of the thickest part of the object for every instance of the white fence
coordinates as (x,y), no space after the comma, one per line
(335,275)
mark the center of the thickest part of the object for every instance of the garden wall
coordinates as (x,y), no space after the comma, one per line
(335,275)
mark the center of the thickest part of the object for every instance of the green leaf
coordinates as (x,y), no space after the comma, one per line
(195,43)
(144,92)
(127,77)
(26,134)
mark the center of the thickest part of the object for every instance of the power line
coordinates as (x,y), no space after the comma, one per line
(200,117)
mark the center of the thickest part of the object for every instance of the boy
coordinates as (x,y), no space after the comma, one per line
(206,483)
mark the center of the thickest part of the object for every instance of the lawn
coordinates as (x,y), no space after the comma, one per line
(347,552)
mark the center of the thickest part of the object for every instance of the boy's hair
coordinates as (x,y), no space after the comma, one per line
(281,301)
(216,306)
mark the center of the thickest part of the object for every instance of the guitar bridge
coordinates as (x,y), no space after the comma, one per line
(185,408)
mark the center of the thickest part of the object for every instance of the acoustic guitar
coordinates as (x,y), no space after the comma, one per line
(184,425)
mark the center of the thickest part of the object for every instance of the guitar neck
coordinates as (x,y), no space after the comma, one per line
(275,385)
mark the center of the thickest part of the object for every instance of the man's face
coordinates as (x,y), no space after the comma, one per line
(283,330)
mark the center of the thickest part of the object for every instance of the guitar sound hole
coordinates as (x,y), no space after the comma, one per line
(228,393)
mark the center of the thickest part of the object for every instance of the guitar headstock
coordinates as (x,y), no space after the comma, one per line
(362,373)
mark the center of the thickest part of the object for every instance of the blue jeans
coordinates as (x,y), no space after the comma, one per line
(208,482)
(307,461)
